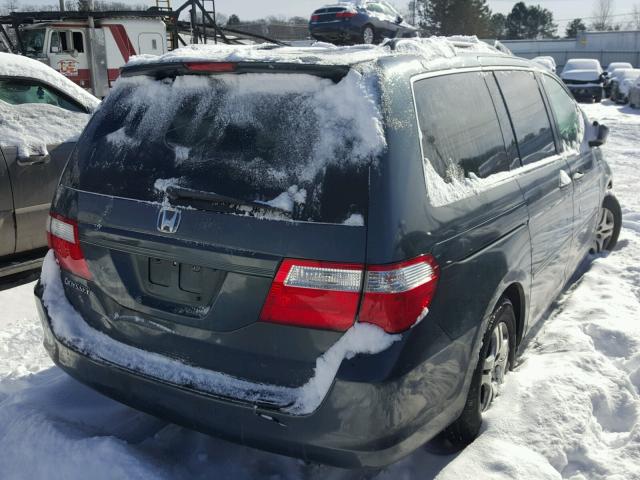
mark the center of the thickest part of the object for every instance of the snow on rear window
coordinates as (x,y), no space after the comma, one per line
(291,141)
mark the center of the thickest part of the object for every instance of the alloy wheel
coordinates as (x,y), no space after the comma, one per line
(367,35)
(495,365)
(604,230)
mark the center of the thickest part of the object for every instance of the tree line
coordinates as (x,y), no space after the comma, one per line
(474,17)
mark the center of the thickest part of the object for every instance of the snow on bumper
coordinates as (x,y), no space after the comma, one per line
(68,327)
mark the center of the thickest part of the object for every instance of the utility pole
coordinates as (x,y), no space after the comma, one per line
(62,5)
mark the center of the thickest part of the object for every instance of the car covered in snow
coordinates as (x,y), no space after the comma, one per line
(634,95)
(359,22)
(547,62)
(623,83)
(321,252)
(584,78)
(40,113)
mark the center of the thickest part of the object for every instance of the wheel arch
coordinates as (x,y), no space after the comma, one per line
(515,293)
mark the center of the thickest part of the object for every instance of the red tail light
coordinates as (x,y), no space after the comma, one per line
(63,239)
(315,18)
(211,67)
(396,295)
(346,14)
(326,295)
(314,294)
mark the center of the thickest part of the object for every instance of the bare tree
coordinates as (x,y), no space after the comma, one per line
(603,15)
(634,24)
(10,6)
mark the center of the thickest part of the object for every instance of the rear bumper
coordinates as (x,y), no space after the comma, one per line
(580,91)
(357,425)
(334,31)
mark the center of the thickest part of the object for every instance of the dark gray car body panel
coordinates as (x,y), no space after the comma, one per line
(381,407)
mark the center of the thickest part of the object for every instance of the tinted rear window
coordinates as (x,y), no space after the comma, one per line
(461,135)
(529,115)
(298,142)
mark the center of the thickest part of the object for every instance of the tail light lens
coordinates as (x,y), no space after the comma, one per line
(314,294)
(315,18)
(346,14)
(63,239)
(326,295)
(396,296)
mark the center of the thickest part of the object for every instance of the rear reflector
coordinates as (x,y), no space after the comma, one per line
(326,295)
(63,239)
(397,295)
(211,67)
(346,14)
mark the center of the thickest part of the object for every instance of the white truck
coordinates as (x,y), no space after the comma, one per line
(90,48)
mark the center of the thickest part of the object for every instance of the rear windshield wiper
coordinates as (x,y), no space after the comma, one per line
(213,199)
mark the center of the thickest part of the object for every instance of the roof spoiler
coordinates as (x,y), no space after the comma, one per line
(334,73)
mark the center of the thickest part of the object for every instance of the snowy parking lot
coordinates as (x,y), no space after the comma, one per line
(570,409)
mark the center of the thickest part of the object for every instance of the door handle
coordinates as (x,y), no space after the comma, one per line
(33,160)
(565,179)
(578,175)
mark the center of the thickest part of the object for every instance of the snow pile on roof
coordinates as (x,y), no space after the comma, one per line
(321,53)
(31,127)
(18,66)
(70,328)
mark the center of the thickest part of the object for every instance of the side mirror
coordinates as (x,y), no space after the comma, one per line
(603,76)
(399,19)
(601,136)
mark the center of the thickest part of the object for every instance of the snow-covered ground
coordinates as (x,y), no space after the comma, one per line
(571,408)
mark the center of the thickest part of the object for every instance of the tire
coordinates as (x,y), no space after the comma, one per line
(465,429)
(368,35)
(608,225)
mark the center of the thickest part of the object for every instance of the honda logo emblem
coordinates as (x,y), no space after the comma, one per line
(169,220)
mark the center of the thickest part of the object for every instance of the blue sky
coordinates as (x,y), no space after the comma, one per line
(249,9)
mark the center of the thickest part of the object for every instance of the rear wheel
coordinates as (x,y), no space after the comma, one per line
(368,35)
(608,226)
(496,357)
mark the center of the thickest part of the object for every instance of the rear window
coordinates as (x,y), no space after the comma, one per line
(298,143)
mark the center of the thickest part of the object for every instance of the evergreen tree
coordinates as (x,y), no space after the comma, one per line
(575,27)
(233,19)
(530,22)
(454,17)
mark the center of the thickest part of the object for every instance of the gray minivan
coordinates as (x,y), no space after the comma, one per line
(329,253)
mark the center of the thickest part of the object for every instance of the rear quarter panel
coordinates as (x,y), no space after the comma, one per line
(481,244)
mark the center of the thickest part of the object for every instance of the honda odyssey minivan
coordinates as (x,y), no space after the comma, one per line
(328,253)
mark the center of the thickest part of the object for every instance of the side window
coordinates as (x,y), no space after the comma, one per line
(566,113)
(461,135)
(529,115)
(78,43)
(375,7)
(19,92)
(59,42)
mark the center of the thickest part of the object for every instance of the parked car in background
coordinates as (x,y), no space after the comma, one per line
(316,269)
(634,95)
(584,78)
(608,75)
(623,83)
(547,62)
(41,112)
(359,22)
(612,79)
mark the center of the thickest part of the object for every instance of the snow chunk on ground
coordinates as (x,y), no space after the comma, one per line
(19,66)
(69,327)
(31,127)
